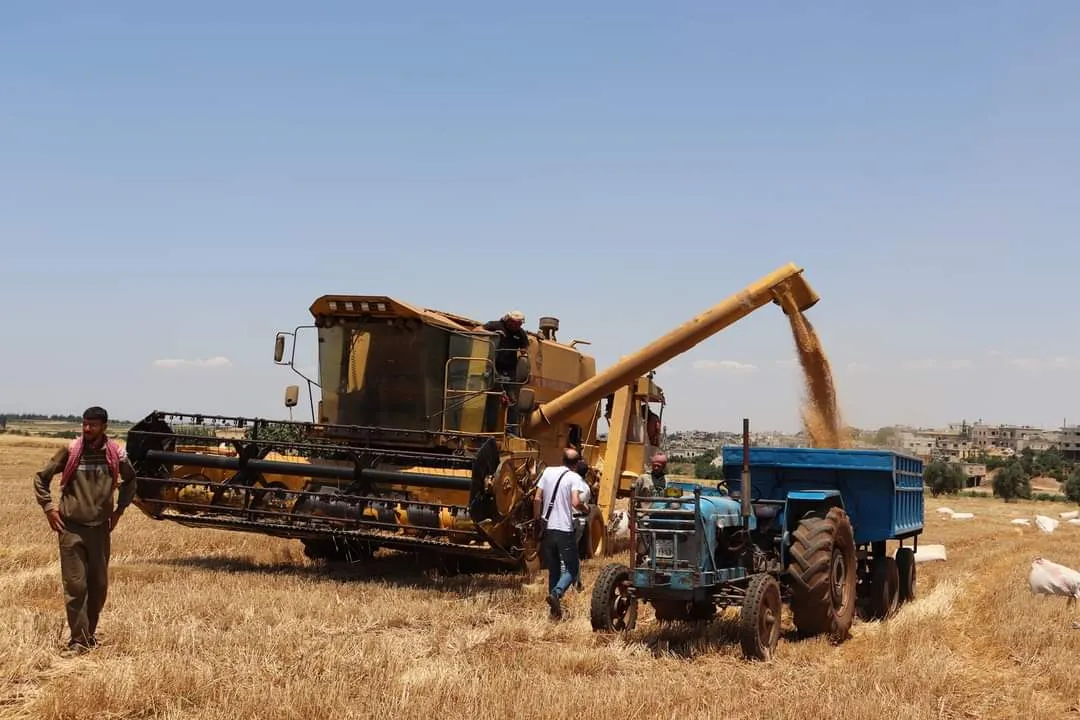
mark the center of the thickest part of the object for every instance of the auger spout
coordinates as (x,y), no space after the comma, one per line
(787,280)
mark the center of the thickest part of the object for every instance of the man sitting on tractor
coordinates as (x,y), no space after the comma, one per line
(654,482)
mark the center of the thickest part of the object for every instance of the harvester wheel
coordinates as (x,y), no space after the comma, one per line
(823,575)
(759,621)
(613,607)
(594,539)
(884,588)
(905,567)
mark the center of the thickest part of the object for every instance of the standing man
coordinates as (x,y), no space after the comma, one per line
(581,519)
(512,339)
(92,467)
(653,482)
(556,499)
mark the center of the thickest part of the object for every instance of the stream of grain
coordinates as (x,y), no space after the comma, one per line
(820,413)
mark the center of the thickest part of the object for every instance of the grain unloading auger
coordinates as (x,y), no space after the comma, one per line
(418,443)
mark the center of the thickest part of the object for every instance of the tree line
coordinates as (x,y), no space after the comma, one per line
(1013,477)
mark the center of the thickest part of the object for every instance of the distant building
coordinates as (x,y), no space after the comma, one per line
(976,473)
(1068,442)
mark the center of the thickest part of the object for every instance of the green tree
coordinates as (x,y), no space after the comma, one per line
(1072,486)
(885,437)
(1012,482)
(1050,463)
(944,478)
(705,470)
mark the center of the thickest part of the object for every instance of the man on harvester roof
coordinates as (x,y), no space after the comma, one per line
(512,338)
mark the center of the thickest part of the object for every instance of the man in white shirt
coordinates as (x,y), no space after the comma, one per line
(581,522)
(557,496)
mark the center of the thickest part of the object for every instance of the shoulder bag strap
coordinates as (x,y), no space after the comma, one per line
(552,503)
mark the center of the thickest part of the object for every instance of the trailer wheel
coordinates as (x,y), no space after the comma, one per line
(823,574)
(759,620)
(905,566)
(613,607)
(884,588)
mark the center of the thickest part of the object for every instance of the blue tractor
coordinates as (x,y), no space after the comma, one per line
(811,530)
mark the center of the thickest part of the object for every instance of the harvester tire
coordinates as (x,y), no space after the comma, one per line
(884,588)
(905,567)
(823,575)
(759,619)
(612,607)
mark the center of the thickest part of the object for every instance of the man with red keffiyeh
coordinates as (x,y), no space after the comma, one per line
(92,467)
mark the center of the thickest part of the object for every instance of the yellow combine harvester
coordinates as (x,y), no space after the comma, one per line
(416,443)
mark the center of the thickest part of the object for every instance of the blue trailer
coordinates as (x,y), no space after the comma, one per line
(812,531)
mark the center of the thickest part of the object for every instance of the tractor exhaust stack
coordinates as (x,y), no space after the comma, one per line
(744,489)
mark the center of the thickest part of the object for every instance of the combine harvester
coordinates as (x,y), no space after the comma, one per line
(415,443)
(807,525)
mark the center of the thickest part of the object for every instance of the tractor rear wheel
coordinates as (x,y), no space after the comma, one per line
(613,607)
(759,620)
(823,574)
(905,566)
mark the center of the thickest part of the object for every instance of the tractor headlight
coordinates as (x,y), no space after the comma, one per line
(672,492)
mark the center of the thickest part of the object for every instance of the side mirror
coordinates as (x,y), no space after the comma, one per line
(526,400)
(292,395)
(279,348)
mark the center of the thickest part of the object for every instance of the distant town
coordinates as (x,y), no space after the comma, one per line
(969,445)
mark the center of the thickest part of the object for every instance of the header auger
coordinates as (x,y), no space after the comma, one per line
(417,442)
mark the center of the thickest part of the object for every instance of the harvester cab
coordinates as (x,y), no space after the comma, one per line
(416,442)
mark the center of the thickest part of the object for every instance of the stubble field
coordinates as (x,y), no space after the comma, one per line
(209,624)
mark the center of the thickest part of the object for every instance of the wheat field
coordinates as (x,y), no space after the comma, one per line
(210,624)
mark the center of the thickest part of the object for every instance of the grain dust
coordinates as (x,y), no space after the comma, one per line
(820,413)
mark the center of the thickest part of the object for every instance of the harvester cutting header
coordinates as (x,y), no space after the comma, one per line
(424,438)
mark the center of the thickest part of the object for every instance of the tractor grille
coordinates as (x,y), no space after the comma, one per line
(667,531)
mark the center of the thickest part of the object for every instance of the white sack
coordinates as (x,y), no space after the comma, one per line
(1075,521)
(622,524)
(928,553)
(1069,515)
(963,516)
(945,510)
(1049,578)
(1021,521)
(1046,524)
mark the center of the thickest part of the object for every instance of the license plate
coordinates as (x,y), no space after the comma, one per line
(665,547)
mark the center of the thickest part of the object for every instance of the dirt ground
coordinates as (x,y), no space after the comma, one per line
(210,624)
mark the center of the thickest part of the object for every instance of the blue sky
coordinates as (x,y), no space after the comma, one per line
(180,182)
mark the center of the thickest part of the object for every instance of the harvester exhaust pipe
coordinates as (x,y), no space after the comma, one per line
(744,488)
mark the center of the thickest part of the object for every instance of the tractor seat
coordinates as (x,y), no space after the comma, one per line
(765,512)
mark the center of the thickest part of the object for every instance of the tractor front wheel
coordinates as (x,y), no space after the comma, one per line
(759,621)
(613,606)
(823,574)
